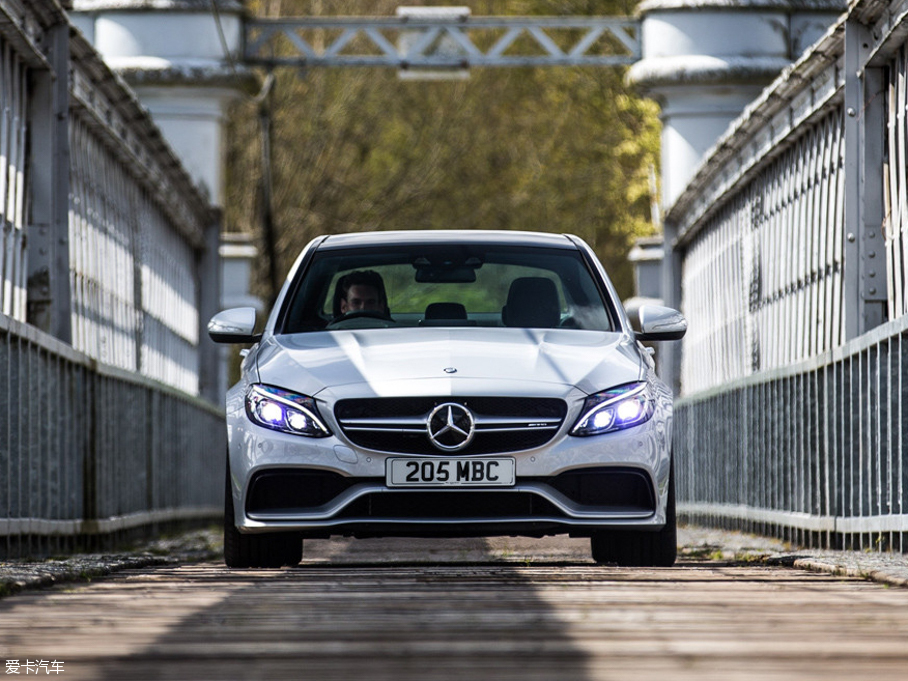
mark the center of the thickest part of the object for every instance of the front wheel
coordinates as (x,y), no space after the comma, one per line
(256,550)
(634,548)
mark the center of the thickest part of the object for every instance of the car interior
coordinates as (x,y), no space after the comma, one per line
(437,290)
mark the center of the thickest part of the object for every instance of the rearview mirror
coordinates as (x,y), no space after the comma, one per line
(236,325)
(446,271)
(445,275)
(659,323)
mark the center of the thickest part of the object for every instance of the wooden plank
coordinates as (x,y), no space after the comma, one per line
(352,611)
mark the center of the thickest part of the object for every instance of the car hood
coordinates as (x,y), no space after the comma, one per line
(449,361)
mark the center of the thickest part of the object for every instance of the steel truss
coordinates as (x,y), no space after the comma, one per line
(408,42)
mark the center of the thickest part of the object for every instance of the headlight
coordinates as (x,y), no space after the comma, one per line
(285,411)
(615,409)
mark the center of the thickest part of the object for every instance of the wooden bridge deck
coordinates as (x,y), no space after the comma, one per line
(562,618)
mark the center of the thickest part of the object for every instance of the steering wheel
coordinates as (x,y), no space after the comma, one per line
(368,317)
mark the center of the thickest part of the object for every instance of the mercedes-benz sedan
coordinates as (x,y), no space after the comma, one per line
(447,383)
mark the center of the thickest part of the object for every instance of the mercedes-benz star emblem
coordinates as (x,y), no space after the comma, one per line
(450,426)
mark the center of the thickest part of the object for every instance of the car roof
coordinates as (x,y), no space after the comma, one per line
(447,236)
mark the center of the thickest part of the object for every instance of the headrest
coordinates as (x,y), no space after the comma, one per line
(446,311)
(532,303)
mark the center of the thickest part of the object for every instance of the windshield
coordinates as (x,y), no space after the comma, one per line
(456,285)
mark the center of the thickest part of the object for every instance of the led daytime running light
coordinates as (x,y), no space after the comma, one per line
(284,411)
(615,409)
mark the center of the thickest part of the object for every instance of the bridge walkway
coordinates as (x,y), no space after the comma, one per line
(507,609)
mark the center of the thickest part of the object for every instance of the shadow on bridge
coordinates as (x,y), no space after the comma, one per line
(371,609)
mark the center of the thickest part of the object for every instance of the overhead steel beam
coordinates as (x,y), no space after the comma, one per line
(479,41)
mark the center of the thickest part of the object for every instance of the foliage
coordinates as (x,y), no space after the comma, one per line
(556,149)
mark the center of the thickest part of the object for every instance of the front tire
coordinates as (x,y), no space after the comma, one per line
(629,548)
(271,550)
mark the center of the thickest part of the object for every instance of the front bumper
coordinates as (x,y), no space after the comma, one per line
(307,500)
(328,487)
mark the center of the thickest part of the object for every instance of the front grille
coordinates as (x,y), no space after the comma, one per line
(398,424)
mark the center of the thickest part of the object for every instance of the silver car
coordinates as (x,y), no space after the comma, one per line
(448,383)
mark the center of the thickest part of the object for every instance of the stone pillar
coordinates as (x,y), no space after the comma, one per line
(704,61)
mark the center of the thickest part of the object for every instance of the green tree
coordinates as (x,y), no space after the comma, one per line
(550,149)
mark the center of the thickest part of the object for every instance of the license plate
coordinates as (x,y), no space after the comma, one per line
(498,472)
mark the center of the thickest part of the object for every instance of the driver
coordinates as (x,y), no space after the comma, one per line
(359,291)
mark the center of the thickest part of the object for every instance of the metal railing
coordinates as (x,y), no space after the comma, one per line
(13,117)
(134,288)
(89,453)
(102,430)
(135,232)
(895,179)
(791,246)
(814,452)
(763,276)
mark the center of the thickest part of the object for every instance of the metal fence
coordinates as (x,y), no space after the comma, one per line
(814,452)
(134,288)
(88,455)
(104,269)
(763,276)
(896,184)
(792,253)
(135,230)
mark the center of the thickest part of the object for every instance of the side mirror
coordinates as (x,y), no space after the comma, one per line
(659,323)
(234,326)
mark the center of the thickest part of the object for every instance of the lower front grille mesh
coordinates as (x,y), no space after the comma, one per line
(449,506)
(289,491)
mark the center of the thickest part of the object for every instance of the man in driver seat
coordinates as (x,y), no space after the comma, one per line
(361,291)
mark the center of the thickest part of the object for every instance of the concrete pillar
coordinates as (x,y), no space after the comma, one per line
(238,254)
(646,255)
(704,61)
